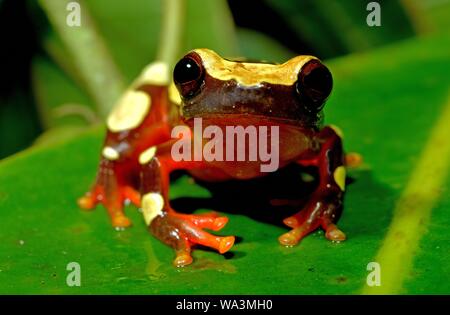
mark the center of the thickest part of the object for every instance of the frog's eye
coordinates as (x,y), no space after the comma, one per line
(314,84)
(188,76)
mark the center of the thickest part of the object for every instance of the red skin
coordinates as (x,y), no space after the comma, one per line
(118,180)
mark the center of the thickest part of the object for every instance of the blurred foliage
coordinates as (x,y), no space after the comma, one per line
(339,27)
(19,123)
(62,90)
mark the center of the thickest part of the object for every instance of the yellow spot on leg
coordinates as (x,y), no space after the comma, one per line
(156,73)
(339,177)
(130,111)
(147,155)
(174,95)
(152,204)
(110,153)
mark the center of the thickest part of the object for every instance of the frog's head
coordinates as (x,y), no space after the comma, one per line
(293,92)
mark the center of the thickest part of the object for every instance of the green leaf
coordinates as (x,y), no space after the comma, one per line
(387,103)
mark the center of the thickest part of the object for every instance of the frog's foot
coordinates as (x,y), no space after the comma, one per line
(353,160)
(113,203)
(182,231)
(316,214)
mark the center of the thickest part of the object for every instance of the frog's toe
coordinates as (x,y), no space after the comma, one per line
(183,258)
(297,220)
(210,220)
(294,236)
(302,225)
(291,222)
(226,243)
(93,197)
(353,160)
(333,233)
(196,235)
(113,201)
(288,239)
(182,231)
(221,244)
(120,222)
(87,202)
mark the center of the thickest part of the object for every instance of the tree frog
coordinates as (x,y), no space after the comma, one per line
(136,157)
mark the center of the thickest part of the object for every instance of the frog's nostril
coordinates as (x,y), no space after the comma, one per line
(314,83)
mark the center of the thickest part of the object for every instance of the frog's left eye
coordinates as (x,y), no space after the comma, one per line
(188,76)
(314,84)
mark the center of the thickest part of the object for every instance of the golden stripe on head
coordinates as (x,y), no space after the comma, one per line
(174,95)
(156,73)
(252,74)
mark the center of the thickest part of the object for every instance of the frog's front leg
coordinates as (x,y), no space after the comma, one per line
(325,204)
(118,174)
(113,186)
(180,231)
(139,120)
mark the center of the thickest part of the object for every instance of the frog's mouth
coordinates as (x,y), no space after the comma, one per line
(250,119)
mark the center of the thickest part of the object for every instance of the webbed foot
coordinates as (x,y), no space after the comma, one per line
(182,232)
(319,212)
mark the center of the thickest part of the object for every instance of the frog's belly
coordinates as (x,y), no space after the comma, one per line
(228,170)
(291,145)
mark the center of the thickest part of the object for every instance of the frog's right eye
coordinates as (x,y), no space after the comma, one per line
(188,76)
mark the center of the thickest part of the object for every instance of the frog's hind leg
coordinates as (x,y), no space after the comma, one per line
(180,231)
(325,204)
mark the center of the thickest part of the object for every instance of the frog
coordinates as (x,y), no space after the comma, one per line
(136,159)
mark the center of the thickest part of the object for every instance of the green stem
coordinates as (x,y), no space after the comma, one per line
(171,31)
(89,52)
